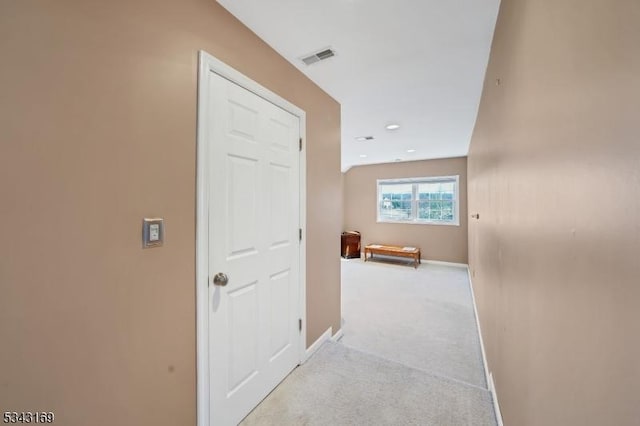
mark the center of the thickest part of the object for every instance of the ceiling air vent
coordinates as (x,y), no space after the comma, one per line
(318,56)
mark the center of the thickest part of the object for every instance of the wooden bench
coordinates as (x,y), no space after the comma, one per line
(399,251)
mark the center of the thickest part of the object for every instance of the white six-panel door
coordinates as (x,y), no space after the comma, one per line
(254,207)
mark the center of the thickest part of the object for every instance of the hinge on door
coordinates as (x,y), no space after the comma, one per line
(300,144)
(300,325)
(300,234)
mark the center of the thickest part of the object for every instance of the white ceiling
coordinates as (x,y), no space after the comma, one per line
(418,63)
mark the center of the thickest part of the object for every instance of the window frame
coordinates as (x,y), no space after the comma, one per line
(414,220)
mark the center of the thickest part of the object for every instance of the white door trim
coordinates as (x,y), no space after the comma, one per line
(208,63)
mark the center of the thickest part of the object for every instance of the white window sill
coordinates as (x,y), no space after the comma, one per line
(414,222)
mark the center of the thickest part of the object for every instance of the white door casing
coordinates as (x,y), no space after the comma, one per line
(250,199)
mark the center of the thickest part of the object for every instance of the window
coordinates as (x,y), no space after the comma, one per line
(429,200)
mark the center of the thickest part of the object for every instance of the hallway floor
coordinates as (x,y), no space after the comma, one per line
(422,318)
(410,355)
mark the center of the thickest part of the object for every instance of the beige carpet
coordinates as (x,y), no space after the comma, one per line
(410,355)
(343,386)
(422,318)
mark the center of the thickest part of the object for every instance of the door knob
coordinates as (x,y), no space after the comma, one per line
(220,279)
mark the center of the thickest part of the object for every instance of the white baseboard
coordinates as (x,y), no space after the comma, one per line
(439,262)
(336,337)
(494,397)
(487,373)
(475,312)
(316,345)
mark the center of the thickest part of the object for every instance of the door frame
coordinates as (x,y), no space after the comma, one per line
(208,63)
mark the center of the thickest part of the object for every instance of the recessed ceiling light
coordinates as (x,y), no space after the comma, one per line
(363,155)
(411,150)
(364,138)
(392,126)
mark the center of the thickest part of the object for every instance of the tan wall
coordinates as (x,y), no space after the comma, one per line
(437,242)
(97,131)
(554,172)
